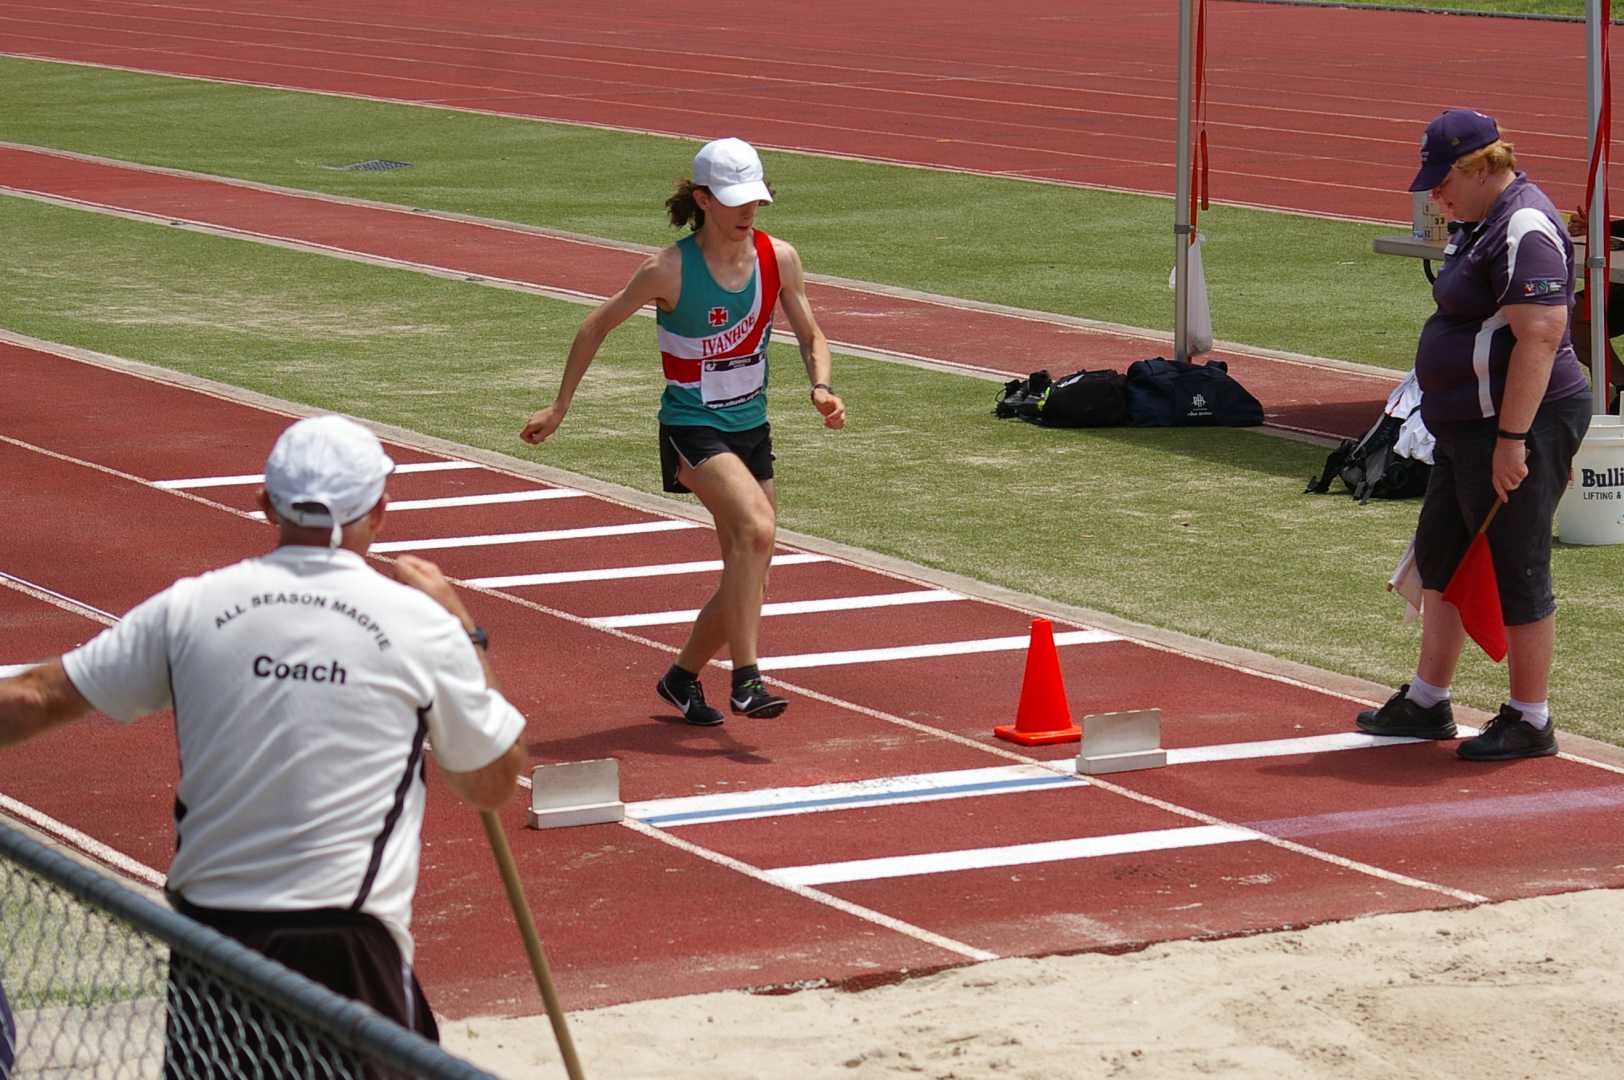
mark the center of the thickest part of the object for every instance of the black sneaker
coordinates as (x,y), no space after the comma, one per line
(1509,736)
(690,698)
(754,699)
(1401,716)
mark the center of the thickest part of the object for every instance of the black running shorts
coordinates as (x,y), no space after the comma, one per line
(693,446)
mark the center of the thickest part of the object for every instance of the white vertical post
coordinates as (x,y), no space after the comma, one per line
(1597,236)
(1181,200)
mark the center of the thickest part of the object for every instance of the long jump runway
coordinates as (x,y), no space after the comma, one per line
(874,830)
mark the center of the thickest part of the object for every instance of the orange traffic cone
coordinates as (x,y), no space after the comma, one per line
(1042,716)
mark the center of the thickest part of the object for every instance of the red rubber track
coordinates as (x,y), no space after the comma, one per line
(1319,399)
(1314,109)
(626,916)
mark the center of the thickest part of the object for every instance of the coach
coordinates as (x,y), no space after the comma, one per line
(306,688)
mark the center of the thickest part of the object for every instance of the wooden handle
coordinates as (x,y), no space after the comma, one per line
(532,943)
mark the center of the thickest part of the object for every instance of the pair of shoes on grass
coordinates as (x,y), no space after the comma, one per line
(1506,737)
(751,698)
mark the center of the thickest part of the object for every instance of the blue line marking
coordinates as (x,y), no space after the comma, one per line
(855,800)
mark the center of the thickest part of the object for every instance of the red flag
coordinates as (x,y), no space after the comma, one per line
(1475,592)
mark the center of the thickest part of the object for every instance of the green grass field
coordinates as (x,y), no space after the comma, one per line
(1205,532)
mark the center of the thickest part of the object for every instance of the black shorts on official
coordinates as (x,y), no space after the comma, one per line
(693,446)
(350,953)
(1460,493)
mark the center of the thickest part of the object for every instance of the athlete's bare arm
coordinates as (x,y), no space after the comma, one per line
(658,281)
(814,346)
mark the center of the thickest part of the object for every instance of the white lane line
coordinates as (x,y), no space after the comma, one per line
(880,791)
(914,652)
(616,573)
(190,483)
(918,933)
(497,539)
(8,670)
(1309,744)
(538,495)
(56,599)
(941,862)
(796,607)
(962,783)
(83,841)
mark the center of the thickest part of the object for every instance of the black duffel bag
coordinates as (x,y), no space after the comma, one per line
(1177,393)
(1085,399)
(1081,399)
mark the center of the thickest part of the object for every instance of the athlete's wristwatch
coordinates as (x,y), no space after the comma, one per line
(820,386)
(480,638)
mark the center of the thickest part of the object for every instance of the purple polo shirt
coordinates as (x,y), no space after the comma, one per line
(1518,254)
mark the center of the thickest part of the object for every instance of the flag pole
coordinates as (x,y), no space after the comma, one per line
(532,943)
(1181,200)
(1597,238)
(1493,510)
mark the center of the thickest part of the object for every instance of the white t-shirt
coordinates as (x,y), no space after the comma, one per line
(304,685)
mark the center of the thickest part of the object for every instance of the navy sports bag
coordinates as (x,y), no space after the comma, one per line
(1177,393)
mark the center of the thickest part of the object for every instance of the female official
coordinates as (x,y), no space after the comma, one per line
(714,292)
(1509,405)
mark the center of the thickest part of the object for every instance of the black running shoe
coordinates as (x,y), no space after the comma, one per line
(754,699)
(1509,736)
(690,698)
(1401,716)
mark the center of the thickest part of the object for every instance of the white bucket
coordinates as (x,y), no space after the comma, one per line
(1592,509)
(1427,220)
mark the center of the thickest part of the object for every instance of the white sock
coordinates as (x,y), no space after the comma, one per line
(1425,694)
(1537,713)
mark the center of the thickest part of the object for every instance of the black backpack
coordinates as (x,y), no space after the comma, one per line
(1177,393)
(1371,468)
(1081,399)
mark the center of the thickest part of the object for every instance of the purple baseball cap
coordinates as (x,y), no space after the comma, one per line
(1449,138)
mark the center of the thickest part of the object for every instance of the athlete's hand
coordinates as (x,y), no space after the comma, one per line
(832,408)
(542,423)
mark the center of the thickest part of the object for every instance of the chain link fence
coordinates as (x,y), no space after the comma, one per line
(99,981)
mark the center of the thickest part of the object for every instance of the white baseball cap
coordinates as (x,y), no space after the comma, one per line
(731,169)
(326,471)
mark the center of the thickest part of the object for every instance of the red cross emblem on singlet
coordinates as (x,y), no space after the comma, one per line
(718,316)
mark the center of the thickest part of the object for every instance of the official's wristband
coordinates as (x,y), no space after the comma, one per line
(1514,436)
(480,638)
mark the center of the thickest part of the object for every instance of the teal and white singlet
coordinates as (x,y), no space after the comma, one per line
(714,345)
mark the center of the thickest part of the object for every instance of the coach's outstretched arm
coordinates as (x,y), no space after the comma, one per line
(37,700)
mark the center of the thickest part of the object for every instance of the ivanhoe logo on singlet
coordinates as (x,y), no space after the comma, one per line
(718,316)
(729,339)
